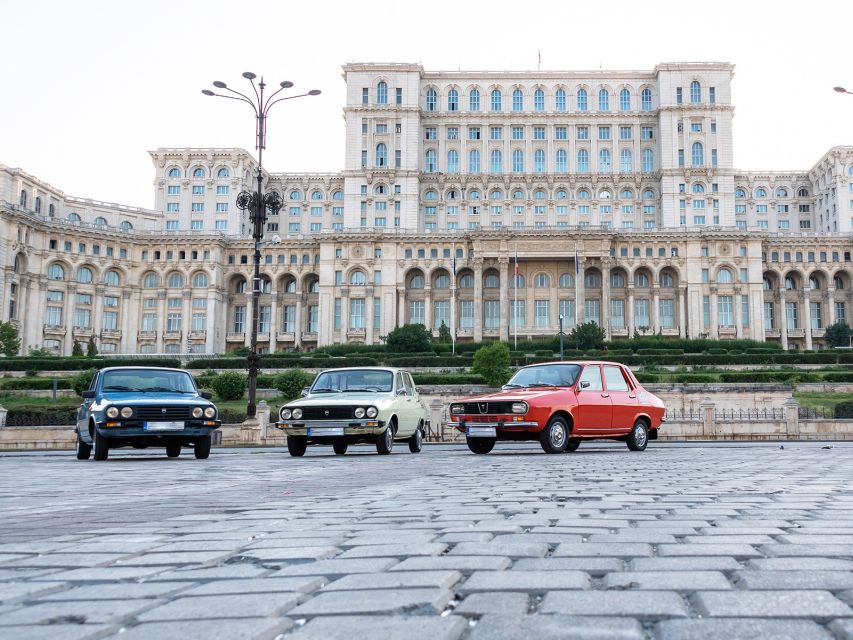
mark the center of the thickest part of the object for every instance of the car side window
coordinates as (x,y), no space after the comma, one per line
(400,385)
(410,386)
(591,374)
(615,379)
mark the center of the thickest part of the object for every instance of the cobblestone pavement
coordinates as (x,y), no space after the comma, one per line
(679,542)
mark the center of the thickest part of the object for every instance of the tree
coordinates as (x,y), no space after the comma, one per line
(82,380)
(40,352)
(10,342)
(91,348)
(291,383)
(492,362)
(409,338)
(77,350)
(229,386)
(838,334)
(241,352)
(586,336)
(444,333)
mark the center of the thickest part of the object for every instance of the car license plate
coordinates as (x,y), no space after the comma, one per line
(325,431)
(164,426)
(481,432)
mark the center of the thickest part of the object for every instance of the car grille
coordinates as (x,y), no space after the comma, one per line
(163,413)
(320,413)
(482,408)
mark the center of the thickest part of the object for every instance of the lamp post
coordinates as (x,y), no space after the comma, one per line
(842,90)
(257,203)
(561,337)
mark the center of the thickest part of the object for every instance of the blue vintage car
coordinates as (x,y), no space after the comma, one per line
(144,407)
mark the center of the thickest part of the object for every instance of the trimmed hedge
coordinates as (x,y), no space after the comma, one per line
(838,376)
(447,378)
(844,410)
(32,384)
(80,364)
(57,417)
(661,352)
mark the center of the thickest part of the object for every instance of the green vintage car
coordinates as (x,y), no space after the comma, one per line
(377,405)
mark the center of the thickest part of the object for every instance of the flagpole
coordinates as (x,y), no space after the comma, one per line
(515,302)
(453,307)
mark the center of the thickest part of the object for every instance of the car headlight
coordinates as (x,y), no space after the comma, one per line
(372,412)
(519,407)
(297,413)
(126,412)
(210,412)
(359,412)
(198,412)
(457,408)
(285,413)
(112,412)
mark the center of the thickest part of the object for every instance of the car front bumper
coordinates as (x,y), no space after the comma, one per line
(121,429)
(331,428)
(491,429)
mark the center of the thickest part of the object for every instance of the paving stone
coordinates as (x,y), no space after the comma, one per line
(102,573)
(673,580)
(174,559)
(385,627)
(209,629)
(731,539)
(257,585)
(688,563)
(49,612)
(55,631)
(15,590)
(385,538)
(770,604)
(556,627)
(423,601)
(550,538)
(292,553)
(396,580)
(804,550)
(530,581)
(814,579)
(635,549)
(459,563)
(452,538)
(843,629)
(643,605)
(495,548)
(226,572)
(245,605)
(817,539)
(592,566)
(732,550)
(740,629)
(507,603)
(67,560)
(800,564)
(337,567)
(395,550)
(116,591)
(652,537)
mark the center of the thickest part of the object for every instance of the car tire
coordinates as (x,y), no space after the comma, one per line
(296,445)
(201,447)
(555,436)
(481,445)
(385,440)
(340,447)
(638,439)
(101,449)
(573,444)
(416,440)
(173,449)
(83,450)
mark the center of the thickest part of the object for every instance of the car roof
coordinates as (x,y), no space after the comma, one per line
(578,362)
(128,368)
(362,369)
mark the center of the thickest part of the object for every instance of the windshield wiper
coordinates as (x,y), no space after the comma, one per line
(512,385)
(374,389)
(120,387)
(325,390)
(166,389)
(541,384)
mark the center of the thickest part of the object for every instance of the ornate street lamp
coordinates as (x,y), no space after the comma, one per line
(257,203)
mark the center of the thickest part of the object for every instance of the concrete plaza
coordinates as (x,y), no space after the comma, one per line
(716,540)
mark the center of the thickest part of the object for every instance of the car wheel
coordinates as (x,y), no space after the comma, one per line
(639,437)
(340,448)
(296,445)
(416,440)
(102,446)
(555,436)
(573,445)
(481,445)
(385,440)
(83,450)
(201,447)
(173,449)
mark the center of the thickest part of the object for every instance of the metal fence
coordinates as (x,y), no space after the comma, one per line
(746,415)
(811,413)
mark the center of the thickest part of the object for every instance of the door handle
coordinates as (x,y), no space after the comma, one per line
(605,395)
(630,396)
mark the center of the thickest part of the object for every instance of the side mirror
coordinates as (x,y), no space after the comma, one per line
(88,394)
(584,384)
(304,392)
(401,392)
(207,395)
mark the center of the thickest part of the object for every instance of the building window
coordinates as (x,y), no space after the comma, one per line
(725,311)
(560,100)
(624,100)
(496,100)
(517,100)
(453,100)
(646,100)
(695,92)
(431,100)
(382,93)
(603,100)
(474,100)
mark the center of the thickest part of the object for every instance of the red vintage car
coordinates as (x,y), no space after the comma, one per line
(560,404)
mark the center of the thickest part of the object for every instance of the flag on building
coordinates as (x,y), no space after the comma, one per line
(577,263)
(454,264)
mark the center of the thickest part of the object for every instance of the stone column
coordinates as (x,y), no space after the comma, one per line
(738,313)
(161,319)
(250,319)
(344,314)
(186,319)
(830,298)
(299,323)
(98,320)
(630,310)
(70,293)
(428,307)
(655,310)
(368,315)
(682,312)
(274,321)
(454,320)
(401,307)
(214,303)
(129,310)
(506,277)
(580,292)
(41,305)
(783,315)
(605,297)
(478,300)
(807,319)
(792,419)
(706,409)
(714,330)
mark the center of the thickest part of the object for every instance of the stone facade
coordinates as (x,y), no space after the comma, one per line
(612,195)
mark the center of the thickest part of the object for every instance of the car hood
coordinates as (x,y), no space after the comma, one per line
(338,399)
(514,395)
(157,398)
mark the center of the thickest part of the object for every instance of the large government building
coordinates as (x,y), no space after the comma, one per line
(492,202)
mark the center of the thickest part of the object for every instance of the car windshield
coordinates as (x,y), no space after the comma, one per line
(353,380)
(145,380)
(548,375)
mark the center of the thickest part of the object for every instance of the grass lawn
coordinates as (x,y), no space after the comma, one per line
(822,400)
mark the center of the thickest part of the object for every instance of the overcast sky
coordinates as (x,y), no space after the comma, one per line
(90,86)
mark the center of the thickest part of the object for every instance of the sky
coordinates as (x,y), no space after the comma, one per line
(88,87)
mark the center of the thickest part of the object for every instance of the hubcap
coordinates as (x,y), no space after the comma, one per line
(558,435)
(419,437)
(389,438)
(640,435)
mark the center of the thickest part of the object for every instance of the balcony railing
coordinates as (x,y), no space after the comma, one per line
(235,336)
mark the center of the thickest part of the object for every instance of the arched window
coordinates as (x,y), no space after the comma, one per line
(84,275)
(198,172)
(497,165)
(617,280)
(432,194)
(496,100)
(37,203)
(648,194)
(112,278)
(561,164)
(626,194)
(517,100)
(474,161)
(431,100)
(541,281)
(724,276)
(466,281)
(582,100)
(223,173)
(604,165)
(624,100)
(603,100)
(740,193)
(539,194)
(453,161)
(150,280)
(491,281)
(803,193)
(316,195)
(56,272)
(474,100)
(453,100)
(695,92)
(174,172)
(73,217)
(381,155)
(518,194)
(666,280)
(442,281)
(176,280)
(314,286)
(416,281)
(698,188)
(592,280)
(100,221)
(560,100)
(51,210)
(567,281)
(518,161)
(338,195)
(561,194)
(646,99)
(539,100)
(497,194)
(767,284)
(626,161)
(357,278)
(781,192)
(583,161)
(790,283)
(641,280)
(814,283)
(266,284)
(124,225)
(430,162)
(382,93)
(289,285)
(539,161)
(200,280)
(697,154)
(604,194)
(474,194)
(518,281)
(380,189)
(761,192)
(838,282)
(648,160)
(583,194)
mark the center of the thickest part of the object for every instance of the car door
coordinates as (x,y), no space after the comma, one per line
(594,410)
(402,404)
(83,411)
(623,398)
(418,409)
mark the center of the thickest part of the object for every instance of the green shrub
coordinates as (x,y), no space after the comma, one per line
(492,363)
(83,381)
(646,378)
(58,417)
(229,386)
(234,416)
(838,376)
(694,378)
(662,352)
(27,383)
(409,338)
(844,410)
(241,352)
(290,383)
(447,378)
(718,352)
